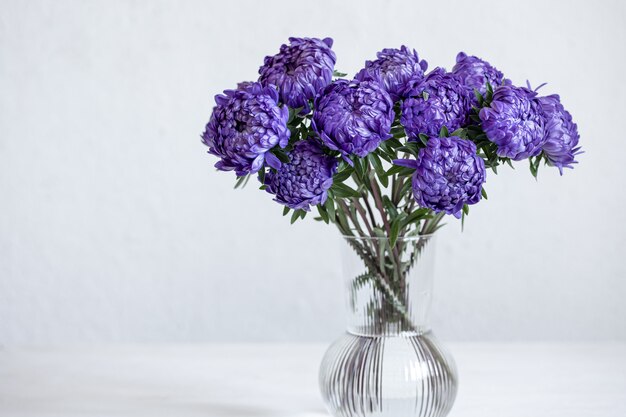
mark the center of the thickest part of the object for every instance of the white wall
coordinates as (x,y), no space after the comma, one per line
(114,227)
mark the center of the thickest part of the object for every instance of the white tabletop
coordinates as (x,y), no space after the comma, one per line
(499,380)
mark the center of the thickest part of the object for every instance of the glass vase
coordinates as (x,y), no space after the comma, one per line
(388,363)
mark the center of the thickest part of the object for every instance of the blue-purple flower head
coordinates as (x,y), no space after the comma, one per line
(303,181)
(476,73)
(440,99)
(300,70)
(561,132)
(393,68)
(353,117)
(514,122)
(448,175)
(245,124)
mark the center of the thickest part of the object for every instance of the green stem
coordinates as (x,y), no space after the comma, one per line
(379,205)
(390,296)
(350,215)
(366,200)
(361,211)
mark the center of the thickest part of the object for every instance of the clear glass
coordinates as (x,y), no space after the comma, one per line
(388,363)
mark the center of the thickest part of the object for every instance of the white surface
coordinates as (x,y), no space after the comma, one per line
(512,380)
(114,226)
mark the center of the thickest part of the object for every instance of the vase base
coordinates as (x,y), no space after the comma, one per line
(388,376)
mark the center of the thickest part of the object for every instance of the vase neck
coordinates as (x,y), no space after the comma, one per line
(389,288)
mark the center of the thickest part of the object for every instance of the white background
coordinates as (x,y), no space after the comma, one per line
(114,227)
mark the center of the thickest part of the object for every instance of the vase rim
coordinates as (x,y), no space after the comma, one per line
(400,239)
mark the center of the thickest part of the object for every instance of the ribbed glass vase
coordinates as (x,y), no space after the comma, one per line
(388,363)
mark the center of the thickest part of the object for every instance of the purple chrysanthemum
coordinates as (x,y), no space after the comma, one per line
(245,124)
(300,70)
(448,175)
(305,179)
(393,68)
(476,73)
(353,117)
(561,144)
(513,121)
(440,99)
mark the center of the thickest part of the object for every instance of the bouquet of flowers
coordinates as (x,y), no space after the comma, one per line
(388,153)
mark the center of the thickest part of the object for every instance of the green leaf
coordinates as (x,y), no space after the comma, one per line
(339,74)
(343,191)
(295,216)
(416,215)
(394,143)
(443,133)
(406,188)
(475,118)
(423,138)
(262,175)
(488,95)
(378,167)
(473,128)
(280,154)
(343,220)
(286,210)
(241,181)
(479,97)
(384,181)
(387,156)
(390,207)
(323,213)
(395,229)
(364,165)
(410,147)
(484,193)
(304,131)
(384,148)
(292,114)
(382,243)
(398,132)
(394,170)
(461,133)
(343,175)
(465,213)
(376,163)
(358,169)
(400,170)
(330,208)
(425,95)
(534,165)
